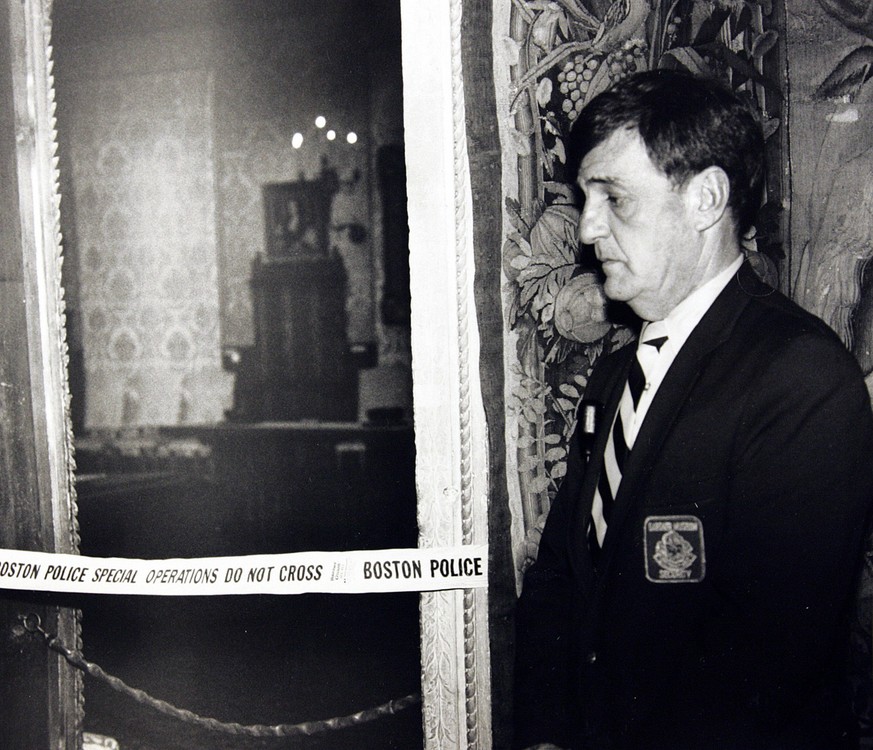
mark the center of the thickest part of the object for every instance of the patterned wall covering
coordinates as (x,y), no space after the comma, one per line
(169,136)
(141,154)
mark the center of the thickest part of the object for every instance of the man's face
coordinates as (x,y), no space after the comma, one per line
(639,224)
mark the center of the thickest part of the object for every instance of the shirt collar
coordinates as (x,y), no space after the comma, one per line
(682,320)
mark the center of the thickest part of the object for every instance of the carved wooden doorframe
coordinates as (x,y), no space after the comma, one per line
(40,698)
(451,437)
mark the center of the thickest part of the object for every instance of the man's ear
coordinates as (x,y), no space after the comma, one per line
(707,194)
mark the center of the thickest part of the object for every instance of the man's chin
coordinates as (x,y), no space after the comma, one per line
(614,290)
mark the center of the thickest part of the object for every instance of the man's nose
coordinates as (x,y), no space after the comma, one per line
(592,225)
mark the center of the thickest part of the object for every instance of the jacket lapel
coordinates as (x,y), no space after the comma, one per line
(608,398)
(714,328)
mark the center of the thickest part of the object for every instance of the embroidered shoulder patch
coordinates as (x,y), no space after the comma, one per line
(674,549)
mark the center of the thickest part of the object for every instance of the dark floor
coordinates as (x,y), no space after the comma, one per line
(254,660)
(251,659)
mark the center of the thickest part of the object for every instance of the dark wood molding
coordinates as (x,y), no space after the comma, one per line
(484,153)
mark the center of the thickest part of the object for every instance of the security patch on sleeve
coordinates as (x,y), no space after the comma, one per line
(674,549)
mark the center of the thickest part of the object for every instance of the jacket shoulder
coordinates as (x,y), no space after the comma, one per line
(780,324)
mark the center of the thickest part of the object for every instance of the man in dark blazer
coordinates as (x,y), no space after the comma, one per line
(695,575)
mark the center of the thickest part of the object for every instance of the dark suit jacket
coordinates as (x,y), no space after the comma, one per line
(758,452)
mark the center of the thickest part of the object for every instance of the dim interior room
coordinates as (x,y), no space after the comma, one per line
(237,301)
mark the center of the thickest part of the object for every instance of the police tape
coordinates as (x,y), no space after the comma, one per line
(357,572)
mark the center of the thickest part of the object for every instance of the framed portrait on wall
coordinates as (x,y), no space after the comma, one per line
(297,217)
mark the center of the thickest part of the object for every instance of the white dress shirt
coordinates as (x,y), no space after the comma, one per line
(678,325)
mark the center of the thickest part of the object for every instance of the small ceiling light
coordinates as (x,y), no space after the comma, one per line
(331,134)
(320,122)
(297,140)
(352,137)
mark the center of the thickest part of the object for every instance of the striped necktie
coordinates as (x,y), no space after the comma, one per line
(621,438)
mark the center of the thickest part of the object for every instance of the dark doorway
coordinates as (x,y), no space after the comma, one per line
(180,451)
